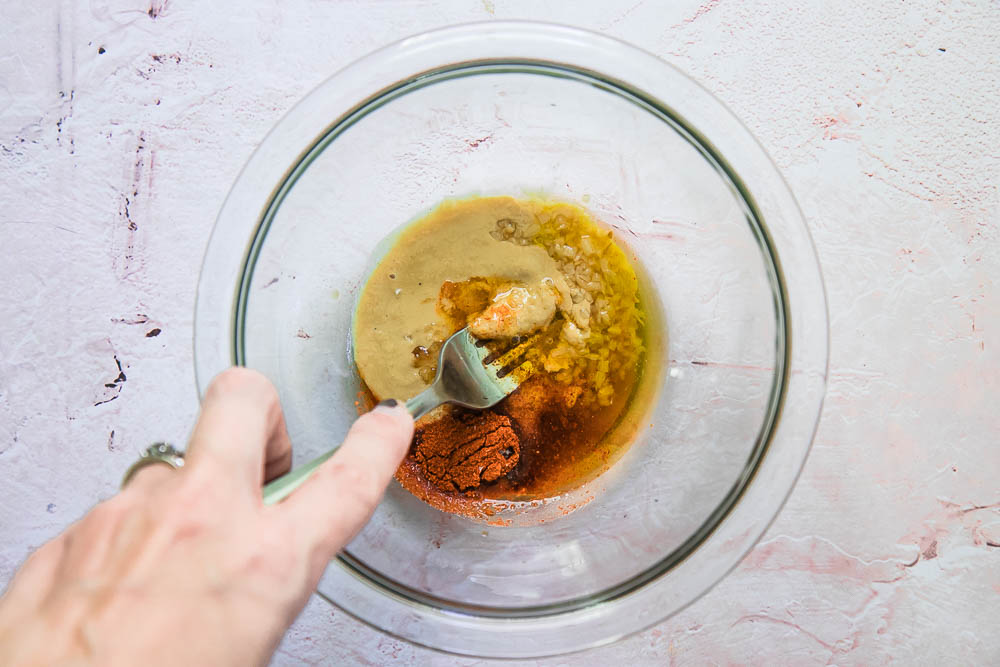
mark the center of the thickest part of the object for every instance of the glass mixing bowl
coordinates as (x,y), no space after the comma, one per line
(520,108)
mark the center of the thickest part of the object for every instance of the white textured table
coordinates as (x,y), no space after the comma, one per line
(124,122)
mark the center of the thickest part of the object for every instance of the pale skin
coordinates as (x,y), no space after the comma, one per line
(188,566)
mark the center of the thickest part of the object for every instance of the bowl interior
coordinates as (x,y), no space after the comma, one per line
(529,128)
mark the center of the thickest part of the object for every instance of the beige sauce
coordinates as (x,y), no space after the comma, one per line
(397,310)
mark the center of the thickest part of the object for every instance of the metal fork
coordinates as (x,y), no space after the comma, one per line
(469,374)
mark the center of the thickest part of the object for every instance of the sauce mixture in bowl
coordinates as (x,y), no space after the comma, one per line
(508,269)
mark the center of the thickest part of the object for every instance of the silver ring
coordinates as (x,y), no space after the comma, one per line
(159,452)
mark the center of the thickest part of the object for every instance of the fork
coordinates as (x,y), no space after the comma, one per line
(470,373)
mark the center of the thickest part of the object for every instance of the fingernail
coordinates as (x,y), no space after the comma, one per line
(387,404)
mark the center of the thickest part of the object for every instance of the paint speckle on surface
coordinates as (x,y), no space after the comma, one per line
(113,388)
(702,9)
(476,143)
(139,318)
(157,8)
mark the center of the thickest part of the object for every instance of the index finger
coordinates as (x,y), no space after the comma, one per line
(241,429)
(333,504)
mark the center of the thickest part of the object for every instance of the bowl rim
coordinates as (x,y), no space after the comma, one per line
(419,61)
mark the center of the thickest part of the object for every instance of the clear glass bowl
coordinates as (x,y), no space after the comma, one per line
(522,108)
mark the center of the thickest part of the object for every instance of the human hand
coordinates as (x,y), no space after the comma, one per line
(188,566)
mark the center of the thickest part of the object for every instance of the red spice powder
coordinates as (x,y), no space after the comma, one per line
(463,450)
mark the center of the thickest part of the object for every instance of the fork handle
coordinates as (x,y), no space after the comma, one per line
(277,490)
(426,401)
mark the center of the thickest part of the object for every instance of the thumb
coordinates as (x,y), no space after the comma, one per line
(336,501)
